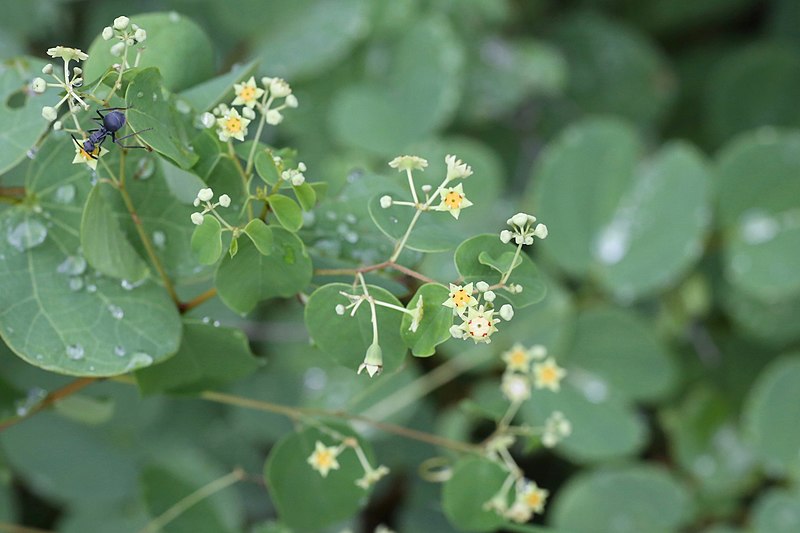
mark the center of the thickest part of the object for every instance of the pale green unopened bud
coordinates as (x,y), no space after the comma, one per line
(121,23)
(373,362)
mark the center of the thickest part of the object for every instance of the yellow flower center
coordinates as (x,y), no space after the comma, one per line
(534,499)
(324,458)
(247,93)
(548,374)
(453,199)
(460,298)
(518,358)
(233,125)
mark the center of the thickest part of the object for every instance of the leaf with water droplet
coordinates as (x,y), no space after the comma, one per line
(250,277)
(104,244)
(28,233)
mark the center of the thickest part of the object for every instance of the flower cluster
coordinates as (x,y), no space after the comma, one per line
(522,230)
(478,319)
(204,196)
(519,376)
(451,199)
(529,499)
(72,80)
(127,35)
(231,124)
(324,459)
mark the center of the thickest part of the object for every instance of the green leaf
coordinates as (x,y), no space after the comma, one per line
(776,511)
(176,46)
(260,234)
(292,483)
(433,232)
(301,38)
(502,263)
(57,313)
(771,411)
(643,498)
(251,277)
(306,196)
(209,93)
(207,240)
(473,483)
(21,125)
(434,327)
(427,64)
(85,409)
(209,357)
(617,347)
(635,227)
(266,169)
(604,426)
(759,215)
(286,211)
(344,338)
(150,109)
(233,249)
(104,245)
(467,258)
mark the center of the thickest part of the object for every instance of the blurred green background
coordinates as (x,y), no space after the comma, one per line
(659,142)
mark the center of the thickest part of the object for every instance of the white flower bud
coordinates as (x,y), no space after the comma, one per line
(519,239)
(205,195)
(196,202)
(47,69)
(505,236)
(506,312)
(108,33)
(38,85)
(386,201)
(129,41)
(540,231)
(426,188)
(482,286)
(140,35)
(77,71)
(197,218)
(339,309)
(456,332)
(274,117)
(528,240)
(117,49)
(49,113)
(208,120)
(301,166)
(298,179)
(489,296)
(291,101)
(120,23)
(248,113)
(520,219)
(279,88)
(224,200)
(266,81)
(57,125)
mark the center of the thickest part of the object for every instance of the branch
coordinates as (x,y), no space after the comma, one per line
(49,400)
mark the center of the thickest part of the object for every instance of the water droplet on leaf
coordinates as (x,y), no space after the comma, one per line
(75,352)
(65,194)
(27,234)
(116,311)
(73,265)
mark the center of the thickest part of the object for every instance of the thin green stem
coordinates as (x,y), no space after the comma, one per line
(402,243)
(245,179)
(411,186)
(264,108)
(193,499)
(511,266)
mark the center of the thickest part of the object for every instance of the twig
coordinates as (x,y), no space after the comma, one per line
(49,400)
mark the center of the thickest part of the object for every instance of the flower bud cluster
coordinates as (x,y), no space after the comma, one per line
(523,230)
(478,320)
(72,80)
(204,196)
(127,34)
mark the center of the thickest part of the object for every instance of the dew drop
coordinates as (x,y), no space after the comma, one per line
(351,237)
(31,400)
(75,284)
(155,97)
(350,218)
(139,94)
(9,329)
(119,350)
(216,323)
(129,285)
(65,194)
(159,239)
(288,255)
(73,265)
(116,311)
(91,288)
(183,107)
(91,368)
(315,378)
(139,360)
(758,228)
(31,153)
(174,16)
(27,234)
(75,352)
(39,357)
(393,220)
(145,168)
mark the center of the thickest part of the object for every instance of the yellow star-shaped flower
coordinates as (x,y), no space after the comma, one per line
(518,358)
(323,459)
(453,200)
(231,124)
(247,93)
(532,496)
(90,160)
(479,324)
(548,375)
(460,298)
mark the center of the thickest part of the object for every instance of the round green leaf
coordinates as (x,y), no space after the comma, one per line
(251,277)
(293,484)
(21,125)
(771,412)
(150,109)
(260,234)
(434,327)
(57,313)
(266,169)
(427,64)
(772,321)
(759,208)
(604,427)
(175,45)
(207,240)
(617,347)
(636,227)
(776,511)
(474,482)
(286,211)
(346,339)
(628,499)
(104,245)
(489,248)
(433,232)
(306,195)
